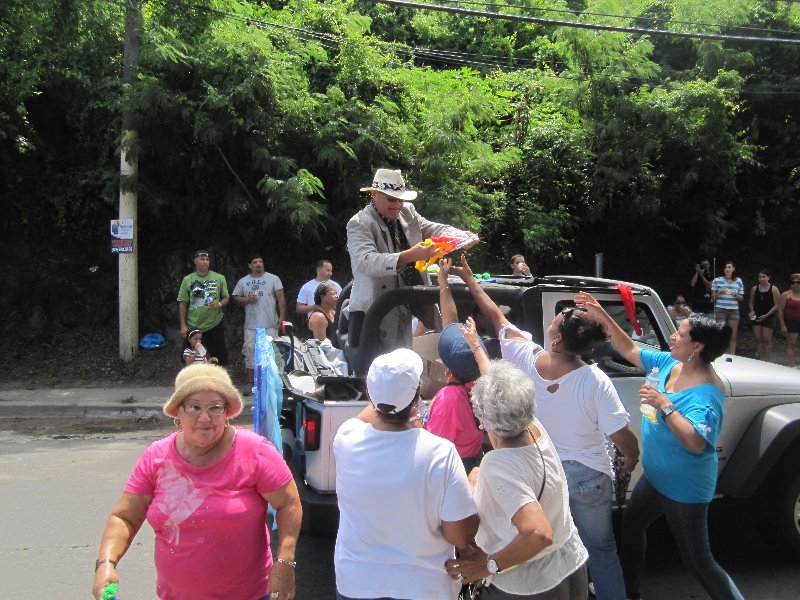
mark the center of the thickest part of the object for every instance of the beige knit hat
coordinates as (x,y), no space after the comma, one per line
(204,378)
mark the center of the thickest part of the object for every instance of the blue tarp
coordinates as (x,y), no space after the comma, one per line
(267,394)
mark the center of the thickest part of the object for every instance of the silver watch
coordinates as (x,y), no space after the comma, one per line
(491,565)
(668,410)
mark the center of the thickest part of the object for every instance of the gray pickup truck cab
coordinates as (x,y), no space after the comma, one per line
(758,448)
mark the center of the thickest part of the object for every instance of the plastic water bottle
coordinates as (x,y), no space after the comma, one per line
(651,381)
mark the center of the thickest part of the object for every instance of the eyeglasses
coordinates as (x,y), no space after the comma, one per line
(195,410)
(795,281)
(566,313)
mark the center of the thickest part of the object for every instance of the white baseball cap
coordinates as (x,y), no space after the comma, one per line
(393,380)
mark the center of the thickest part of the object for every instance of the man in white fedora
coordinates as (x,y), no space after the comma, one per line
(384,240)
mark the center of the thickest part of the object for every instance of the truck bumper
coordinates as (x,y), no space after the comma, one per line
(320,511)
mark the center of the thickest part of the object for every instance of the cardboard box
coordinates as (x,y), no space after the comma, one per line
(434,373)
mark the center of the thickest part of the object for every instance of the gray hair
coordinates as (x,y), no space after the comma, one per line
(504,399)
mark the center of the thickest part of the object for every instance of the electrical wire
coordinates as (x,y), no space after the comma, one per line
(447,57)
(625,17)
(585,25)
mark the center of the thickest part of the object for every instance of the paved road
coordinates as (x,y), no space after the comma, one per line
(57,489)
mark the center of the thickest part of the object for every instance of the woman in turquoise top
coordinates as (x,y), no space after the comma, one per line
(678,449)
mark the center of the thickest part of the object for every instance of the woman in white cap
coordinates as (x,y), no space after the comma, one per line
(404,501)
(384,240)
(204,490)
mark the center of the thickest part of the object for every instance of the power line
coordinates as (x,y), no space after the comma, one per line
(448,57)
(583,25)
(331,41)
(624,17)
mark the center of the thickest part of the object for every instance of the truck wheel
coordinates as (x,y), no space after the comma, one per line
(778,511)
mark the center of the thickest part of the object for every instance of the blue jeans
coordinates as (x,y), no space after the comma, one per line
(690,529)
(590,504)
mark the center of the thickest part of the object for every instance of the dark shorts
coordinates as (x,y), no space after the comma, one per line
(770,323)
(792,326)
(214,341)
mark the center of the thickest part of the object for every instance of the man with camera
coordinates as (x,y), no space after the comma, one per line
(201,297)
(701,287)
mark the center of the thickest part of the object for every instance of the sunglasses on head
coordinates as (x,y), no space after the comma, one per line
(566,313)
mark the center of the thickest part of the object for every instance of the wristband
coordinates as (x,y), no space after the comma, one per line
(103,561)
(283,561)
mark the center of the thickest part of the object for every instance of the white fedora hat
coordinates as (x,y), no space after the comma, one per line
(390,182)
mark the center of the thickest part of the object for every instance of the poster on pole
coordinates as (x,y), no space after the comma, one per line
(121,236)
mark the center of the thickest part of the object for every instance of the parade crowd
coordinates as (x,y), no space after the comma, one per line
(499,488)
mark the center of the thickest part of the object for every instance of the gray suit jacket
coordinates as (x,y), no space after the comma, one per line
(374,264)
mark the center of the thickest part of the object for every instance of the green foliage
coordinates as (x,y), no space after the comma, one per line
(261,120)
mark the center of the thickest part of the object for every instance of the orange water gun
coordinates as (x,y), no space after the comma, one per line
(444,245)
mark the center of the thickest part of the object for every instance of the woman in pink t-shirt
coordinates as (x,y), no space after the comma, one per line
(450,414)
(204,490)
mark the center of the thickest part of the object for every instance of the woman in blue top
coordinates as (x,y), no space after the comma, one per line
(678,450)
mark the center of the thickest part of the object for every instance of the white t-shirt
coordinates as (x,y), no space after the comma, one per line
(578,409)
(263,313)
(306,294)
(509,479)
(394,490)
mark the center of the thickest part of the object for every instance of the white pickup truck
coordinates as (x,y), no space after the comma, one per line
(759,446)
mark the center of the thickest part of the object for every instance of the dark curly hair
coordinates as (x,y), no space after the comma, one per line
(714,336)
(581,331)
(321,290)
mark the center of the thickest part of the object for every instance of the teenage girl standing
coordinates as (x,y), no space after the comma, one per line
(726,292)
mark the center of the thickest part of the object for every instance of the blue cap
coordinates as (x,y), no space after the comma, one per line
(456,355)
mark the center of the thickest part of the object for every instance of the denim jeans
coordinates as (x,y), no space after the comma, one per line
(590,504)
(690,529)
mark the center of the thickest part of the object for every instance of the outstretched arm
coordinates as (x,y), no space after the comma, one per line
(470,334)
(486,305)
(622,343)
(447,305)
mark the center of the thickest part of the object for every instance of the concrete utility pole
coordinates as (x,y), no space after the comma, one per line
(128,194)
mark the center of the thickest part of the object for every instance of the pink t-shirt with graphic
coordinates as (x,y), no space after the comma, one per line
(212,541)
